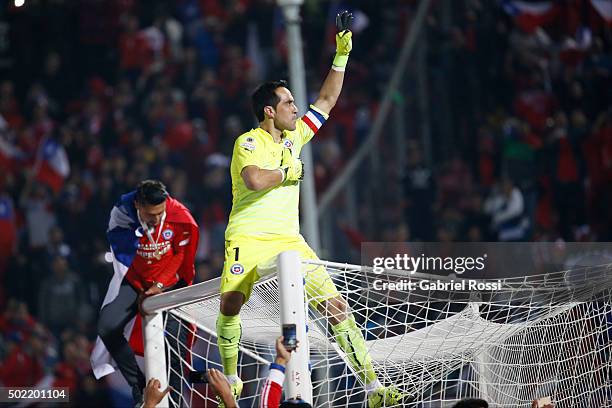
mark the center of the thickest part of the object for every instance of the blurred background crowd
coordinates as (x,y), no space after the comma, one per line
(97,95)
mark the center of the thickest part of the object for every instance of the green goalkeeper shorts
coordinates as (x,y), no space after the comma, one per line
(245,255)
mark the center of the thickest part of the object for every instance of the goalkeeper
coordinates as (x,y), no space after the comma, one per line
(264,221)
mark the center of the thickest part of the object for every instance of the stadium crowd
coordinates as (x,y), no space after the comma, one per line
(531,126)
(103,94)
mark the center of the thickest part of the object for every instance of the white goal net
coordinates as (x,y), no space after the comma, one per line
(545,335)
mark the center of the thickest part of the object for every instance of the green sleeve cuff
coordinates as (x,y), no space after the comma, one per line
(340,61)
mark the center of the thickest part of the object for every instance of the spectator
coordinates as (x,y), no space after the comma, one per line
(61,295)
(273,386)
(153,394)
(8,239)
(137,81)
(475,226)
(221,387)
(16,323)
(153,238)
(454,184)
(567,187)
(24,365)
(420,192)
(131,48)
(56,245)
(39,215)
(471,403)
(536,404)
(505,205)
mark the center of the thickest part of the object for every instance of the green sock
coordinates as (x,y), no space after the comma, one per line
(351,341)
(229,332)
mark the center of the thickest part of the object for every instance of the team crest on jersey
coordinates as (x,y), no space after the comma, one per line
(288,143)
(237,269)
(250,139)
(167,234)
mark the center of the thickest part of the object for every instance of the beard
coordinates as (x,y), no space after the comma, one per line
(290,125)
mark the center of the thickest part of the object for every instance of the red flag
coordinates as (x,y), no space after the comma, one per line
(52,166)
(529,16)
(10,155)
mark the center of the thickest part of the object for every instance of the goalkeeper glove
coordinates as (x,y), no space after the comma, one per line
(344,42)
(292,168)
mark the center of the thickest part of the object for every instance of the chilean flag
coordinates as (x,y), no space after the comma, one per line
(530,15)
(7,225)
(604,9)
(8,237)
(121,234)
(9,154)
(52,166)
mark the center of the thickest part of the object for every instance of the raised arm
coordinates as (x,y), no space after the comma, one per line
(332,86)
(330,91)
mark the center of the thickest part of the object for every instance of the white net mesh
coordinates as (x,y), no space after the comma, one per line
(538,336)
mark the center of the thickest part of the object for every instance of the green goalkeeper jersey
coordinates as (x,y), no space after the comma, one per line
(275,210)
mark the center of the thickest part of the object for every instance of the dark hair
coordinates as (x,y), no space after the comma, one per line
(151,192)
(264,96)
(471,403)
(295,404)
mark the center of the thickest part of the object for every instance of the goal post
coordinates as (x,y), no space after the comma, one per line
(544,335)
(293,312)
(154,351)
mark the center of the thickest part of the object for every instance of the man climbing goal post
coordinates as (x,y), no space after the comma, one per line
(266,172)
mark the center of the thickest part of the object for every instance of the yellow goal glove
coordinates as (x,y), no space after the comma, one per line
(344,40)
(292,167)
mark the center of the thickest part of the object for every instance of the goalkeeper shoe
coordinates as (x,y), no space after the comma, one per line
(385,397)
(236,391)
